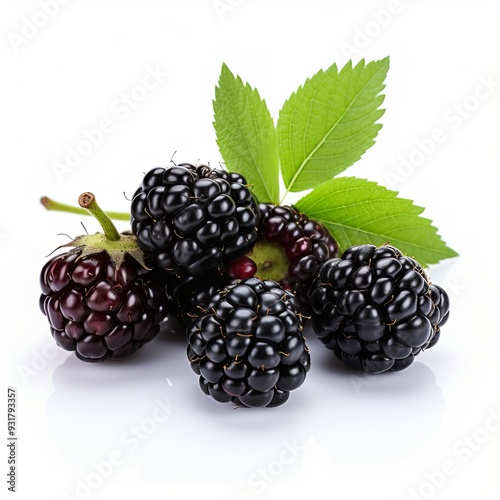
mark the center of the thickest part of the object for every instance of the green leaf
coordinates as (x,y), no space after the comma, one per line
(329,122)
(246,135)
(357,211)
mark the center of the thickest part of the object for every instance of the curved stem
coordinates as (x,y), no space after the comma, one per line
(51,204)
(87,201)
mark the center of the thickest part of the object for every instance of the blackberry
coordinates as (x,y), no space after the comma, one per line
(289,250)
(193,220)
(376,308)
(247,347)
(99,299)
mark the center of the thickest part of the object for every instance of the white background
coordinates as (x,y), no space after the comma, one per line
(431,431)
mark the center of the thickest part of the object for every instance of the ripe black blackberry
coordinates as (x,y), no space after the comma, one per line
(193,220)
(100,300)
(248,346)
(376,308)
(289,250)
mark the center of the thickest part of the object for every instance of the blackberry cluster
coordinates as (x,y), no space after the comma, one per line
(376,308)
(240,276)
(303,245)
(97,309)
(247,347)
(193,220)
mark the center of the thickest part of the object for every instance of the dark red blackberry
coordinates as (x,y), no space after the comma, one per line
(376,308)
(99,299)
(248,346)
(289,250)
(189,295)
(193,220)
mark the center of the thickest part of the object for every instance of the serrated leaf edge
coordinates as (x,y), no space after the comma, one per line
(346,67)
(237,79)
(445,253)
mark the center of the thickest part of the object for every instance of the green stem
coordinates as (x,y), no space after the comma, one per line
(87,201)
(51,204)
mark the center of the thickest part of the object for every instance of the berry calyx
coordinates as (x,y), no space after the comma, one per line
(110,240)
(266,260)
(289,249)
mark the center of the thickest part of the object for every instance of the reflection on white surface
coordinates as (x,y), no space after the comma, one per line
(149,411)
(95,407)
(376,417)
